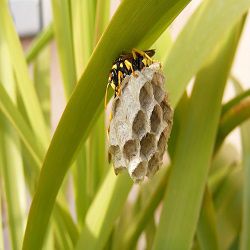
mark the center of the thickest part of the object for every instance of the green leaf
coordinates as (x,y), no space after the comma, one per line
(64,41)
(140,221)
(12,164)
(228,205)
(194,147)
(87,99)
(13,115)
(1,221)
(103,211)
(207,26)
(245,138)
(98,163)
(235,116)
(24,83)
(39,43)
(42,82)
(206,229)
(102,18)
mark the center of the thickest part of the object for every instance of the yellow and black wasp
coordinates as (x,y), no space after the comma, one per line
(127,64)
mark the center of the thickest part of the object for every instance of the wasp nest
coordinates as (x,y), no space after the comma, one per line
(141,124)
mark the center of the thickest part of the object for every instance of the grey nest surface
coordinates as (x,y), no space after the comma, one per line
(141,124)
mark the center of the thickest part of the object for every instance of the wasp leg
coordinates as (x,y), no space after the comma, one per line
(147,59)
(106,95)
(120,76)
(130,66)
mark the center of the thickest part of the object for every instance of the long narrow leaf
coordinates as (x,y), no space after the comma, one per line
(13,115)
(206,228)
(12,165)
(39,43)
(1,221)
(42,82)
(99,222)
(245,139)
(64,41)
(25,85)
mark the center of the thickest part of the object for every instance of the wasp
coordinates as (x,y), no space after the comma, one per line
(126,64)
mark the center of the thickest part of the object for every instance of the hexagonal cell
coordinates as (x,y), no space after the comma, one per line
(139,172)
(159,93)
(155,119)
(146,95)
(153,166)
(158,79)
(115,153)
(130,149)
(167,112)
(148,145)
(140,124)
(162,142)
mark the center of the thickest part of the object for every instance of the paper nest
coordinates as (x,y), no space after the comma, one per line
(141,124)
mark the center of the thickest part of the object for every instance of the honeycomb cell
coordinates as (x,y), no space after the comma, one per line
(167,112)
(148,145)
(153,165)
(116,106)
(140,124)
(155,119)
(159,93)
(161,145)
(158,79)
(140,171)
(130,149)
(145,96)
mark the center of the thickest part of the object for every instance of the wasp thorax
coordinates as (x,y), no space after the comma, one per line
(141,124)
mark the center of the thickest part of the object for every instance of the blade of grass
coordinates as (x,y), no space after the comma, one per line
(99,222)
(214,17)
(64,41)
(227,106)
(224,162)
(83,21)
(1,221)
(245,138)
(39,43)
(13,115)
(163,45)
(82,168)
(190,164)
(140,221)
(206,228)
(102,18)
(88,96)
(12,167)
(14,185)
(42,82)
(25,85)
(245,242)
(228,204)
(68,223)
(97,147)
(239,113)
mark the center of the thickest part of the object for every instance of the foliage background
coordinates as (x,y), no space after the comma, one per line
(199,200)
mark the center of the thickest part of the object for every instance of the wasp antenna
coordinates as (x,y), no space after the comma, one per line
(106,95)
